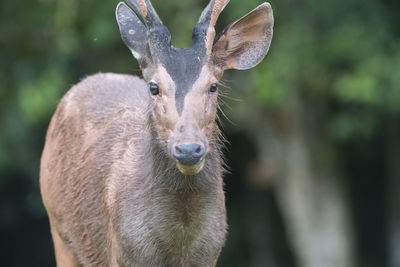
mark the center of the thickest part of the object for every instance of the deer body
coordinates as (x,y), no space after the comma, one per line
(131,172)
(123,184)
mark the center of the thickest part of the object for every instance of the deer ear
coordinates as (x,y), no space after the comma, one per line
(244,43)
(134,34)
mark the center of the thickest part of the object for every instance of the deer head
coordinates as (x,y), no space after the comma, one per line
(183,83)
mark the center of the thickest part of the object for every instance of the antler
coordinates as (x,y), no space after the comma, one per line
(158,34)
(204,32)
(145,9)
(160,38)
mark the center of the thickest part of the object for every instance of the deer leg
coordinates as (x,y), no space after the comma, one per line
(64,256)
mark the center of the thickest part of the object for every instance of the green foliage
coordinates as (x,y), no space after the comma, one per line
(37,99)
(346,126)
(342,53)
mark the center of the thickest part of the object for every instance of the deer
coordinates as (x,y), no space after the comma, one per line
(131,171)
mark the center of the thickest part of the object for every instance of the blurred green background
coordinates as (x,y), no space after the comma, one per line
(314,130)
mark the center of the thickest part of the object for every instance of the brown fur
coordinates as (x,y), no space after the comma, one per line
(143,8)
(99,144)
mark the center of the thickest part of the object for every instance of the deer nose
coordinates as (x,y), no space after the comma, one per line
(189,154)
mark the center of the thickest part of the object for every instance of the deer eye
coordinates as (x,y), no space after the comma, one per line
(213,88)
(154,89)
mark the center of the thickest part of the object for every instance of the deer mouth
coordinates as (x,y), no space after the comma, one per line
(189,158)
(190,169)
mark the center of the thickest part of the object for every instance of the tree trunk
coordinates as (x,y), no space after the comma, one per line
(393,152)
(315,211)
(311,196)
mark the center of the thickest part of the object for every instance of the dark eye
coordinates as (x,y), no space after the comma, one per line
(213,88)
(154,89)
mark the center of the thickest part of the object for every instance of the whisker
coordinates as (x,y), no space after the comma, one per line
(226,117)
(223,103)
(230,97)
(224,94)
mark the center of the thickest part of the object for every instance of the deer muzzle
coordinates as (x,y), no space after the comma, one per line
(189,158)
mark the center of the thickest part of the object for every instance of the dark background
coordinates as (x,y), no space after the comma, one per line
(314,129)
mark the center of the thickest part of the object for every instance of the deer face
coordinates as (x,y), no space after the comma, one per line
(183,83)
(185,107)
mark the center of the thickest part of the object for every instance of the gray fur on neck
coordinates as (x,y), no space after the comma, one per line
(181,218)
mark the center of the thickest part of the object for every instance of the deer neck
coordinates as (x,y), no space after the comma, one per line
(166,176)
